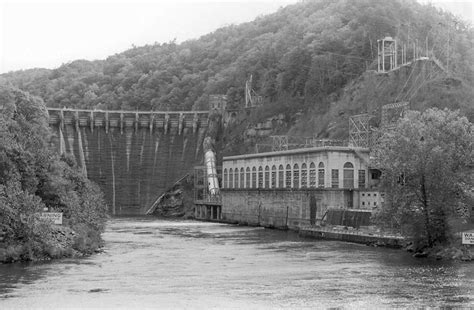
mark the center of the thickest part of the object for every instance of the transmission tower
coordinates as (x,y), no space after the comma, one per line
(359,130)
(392,112)
(279,143)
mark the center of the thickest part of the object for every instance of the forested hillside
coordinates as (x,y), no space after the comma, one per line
(301,58)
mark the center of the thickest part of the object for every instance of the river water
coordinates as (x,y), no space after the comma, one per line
(149,263)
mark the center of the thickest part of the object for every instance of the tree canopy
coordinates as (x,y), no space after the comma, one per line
(427,164)
(303,52)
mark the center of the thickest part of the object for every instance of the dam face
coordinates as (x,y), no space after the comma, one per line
(133,156)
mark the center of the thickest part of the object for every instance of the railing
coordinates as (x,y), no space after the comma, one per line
(128,112)
(283,143)
(216,200)
(126,119)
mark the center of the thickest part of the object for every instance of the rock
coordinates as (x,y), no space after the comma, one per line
(420,254)
(457,254)
(410,248)
(466,258)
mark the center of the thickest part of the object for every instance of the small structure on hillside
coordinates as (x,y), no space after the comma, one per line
(387,54)
(359,130)
(392,112)
(218,102)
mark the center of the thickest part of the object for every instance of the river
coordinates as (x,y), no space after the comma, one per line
(150,263)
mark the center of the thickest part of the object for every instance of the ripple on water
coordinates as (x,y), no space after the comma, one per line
(186,264)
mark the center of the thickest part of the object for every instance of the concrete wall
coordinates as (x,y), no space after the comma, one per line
(133,157)
(282,208)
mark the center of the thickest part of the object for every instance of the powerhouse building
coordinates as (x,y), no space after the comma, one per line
(296,187)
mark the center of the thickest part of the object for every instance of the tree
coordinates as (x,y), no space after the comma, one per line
(33,177)
(427,164)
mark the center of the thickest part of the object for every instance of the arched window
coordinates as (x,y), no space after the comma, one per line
(348,175)
(260,177)
(267,177)
(225,178)
(274,176)
(321,175)
(242,178)
(236,177)
(231,178)
(281,176)
(288,176)
(254,177)
(304,176)
(296,176)
(247,177)
(312,175)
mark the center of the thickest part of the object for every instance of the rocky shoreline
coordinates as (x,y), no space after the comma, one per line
(60,242)
(450,252)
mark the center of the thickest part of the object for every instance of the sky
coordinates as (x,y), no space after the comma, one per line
(46,34)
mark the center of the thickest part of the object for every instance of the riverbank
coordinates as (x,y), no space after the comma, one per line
(58,242)
(370,236)
(363,236)
(452,251)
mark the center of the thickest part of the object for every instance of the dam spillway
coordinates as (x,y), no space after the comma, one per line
(133,156)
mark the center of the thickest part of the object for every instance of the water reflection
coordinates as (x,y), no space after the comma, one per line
(186,264)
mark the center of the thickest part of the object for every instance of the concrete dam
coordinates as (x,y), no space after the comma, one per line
(133,156)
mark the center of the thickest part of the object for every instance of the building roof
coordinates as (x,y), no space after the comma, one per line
(299,152)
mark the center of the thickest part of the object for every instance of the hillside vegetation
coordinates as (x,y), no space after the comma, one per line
(34,179)
(305,59)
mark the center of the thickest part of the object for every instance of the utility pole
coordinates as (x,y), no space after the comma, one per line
(447,48)
(248,93)
(447,54)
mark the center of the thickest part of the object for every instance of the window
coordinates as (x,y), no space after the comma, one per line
(247,177)
(274,176)
(288,176)
(348,175)
(260,177)
(321,175)
(267,177)
(304,176)
(236,178)
(281,176)
(361,178)
(312,175)
(296,176)
(254,177)
(225,178)
(335,178)
(231,178)
(242,178)
(363,203)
